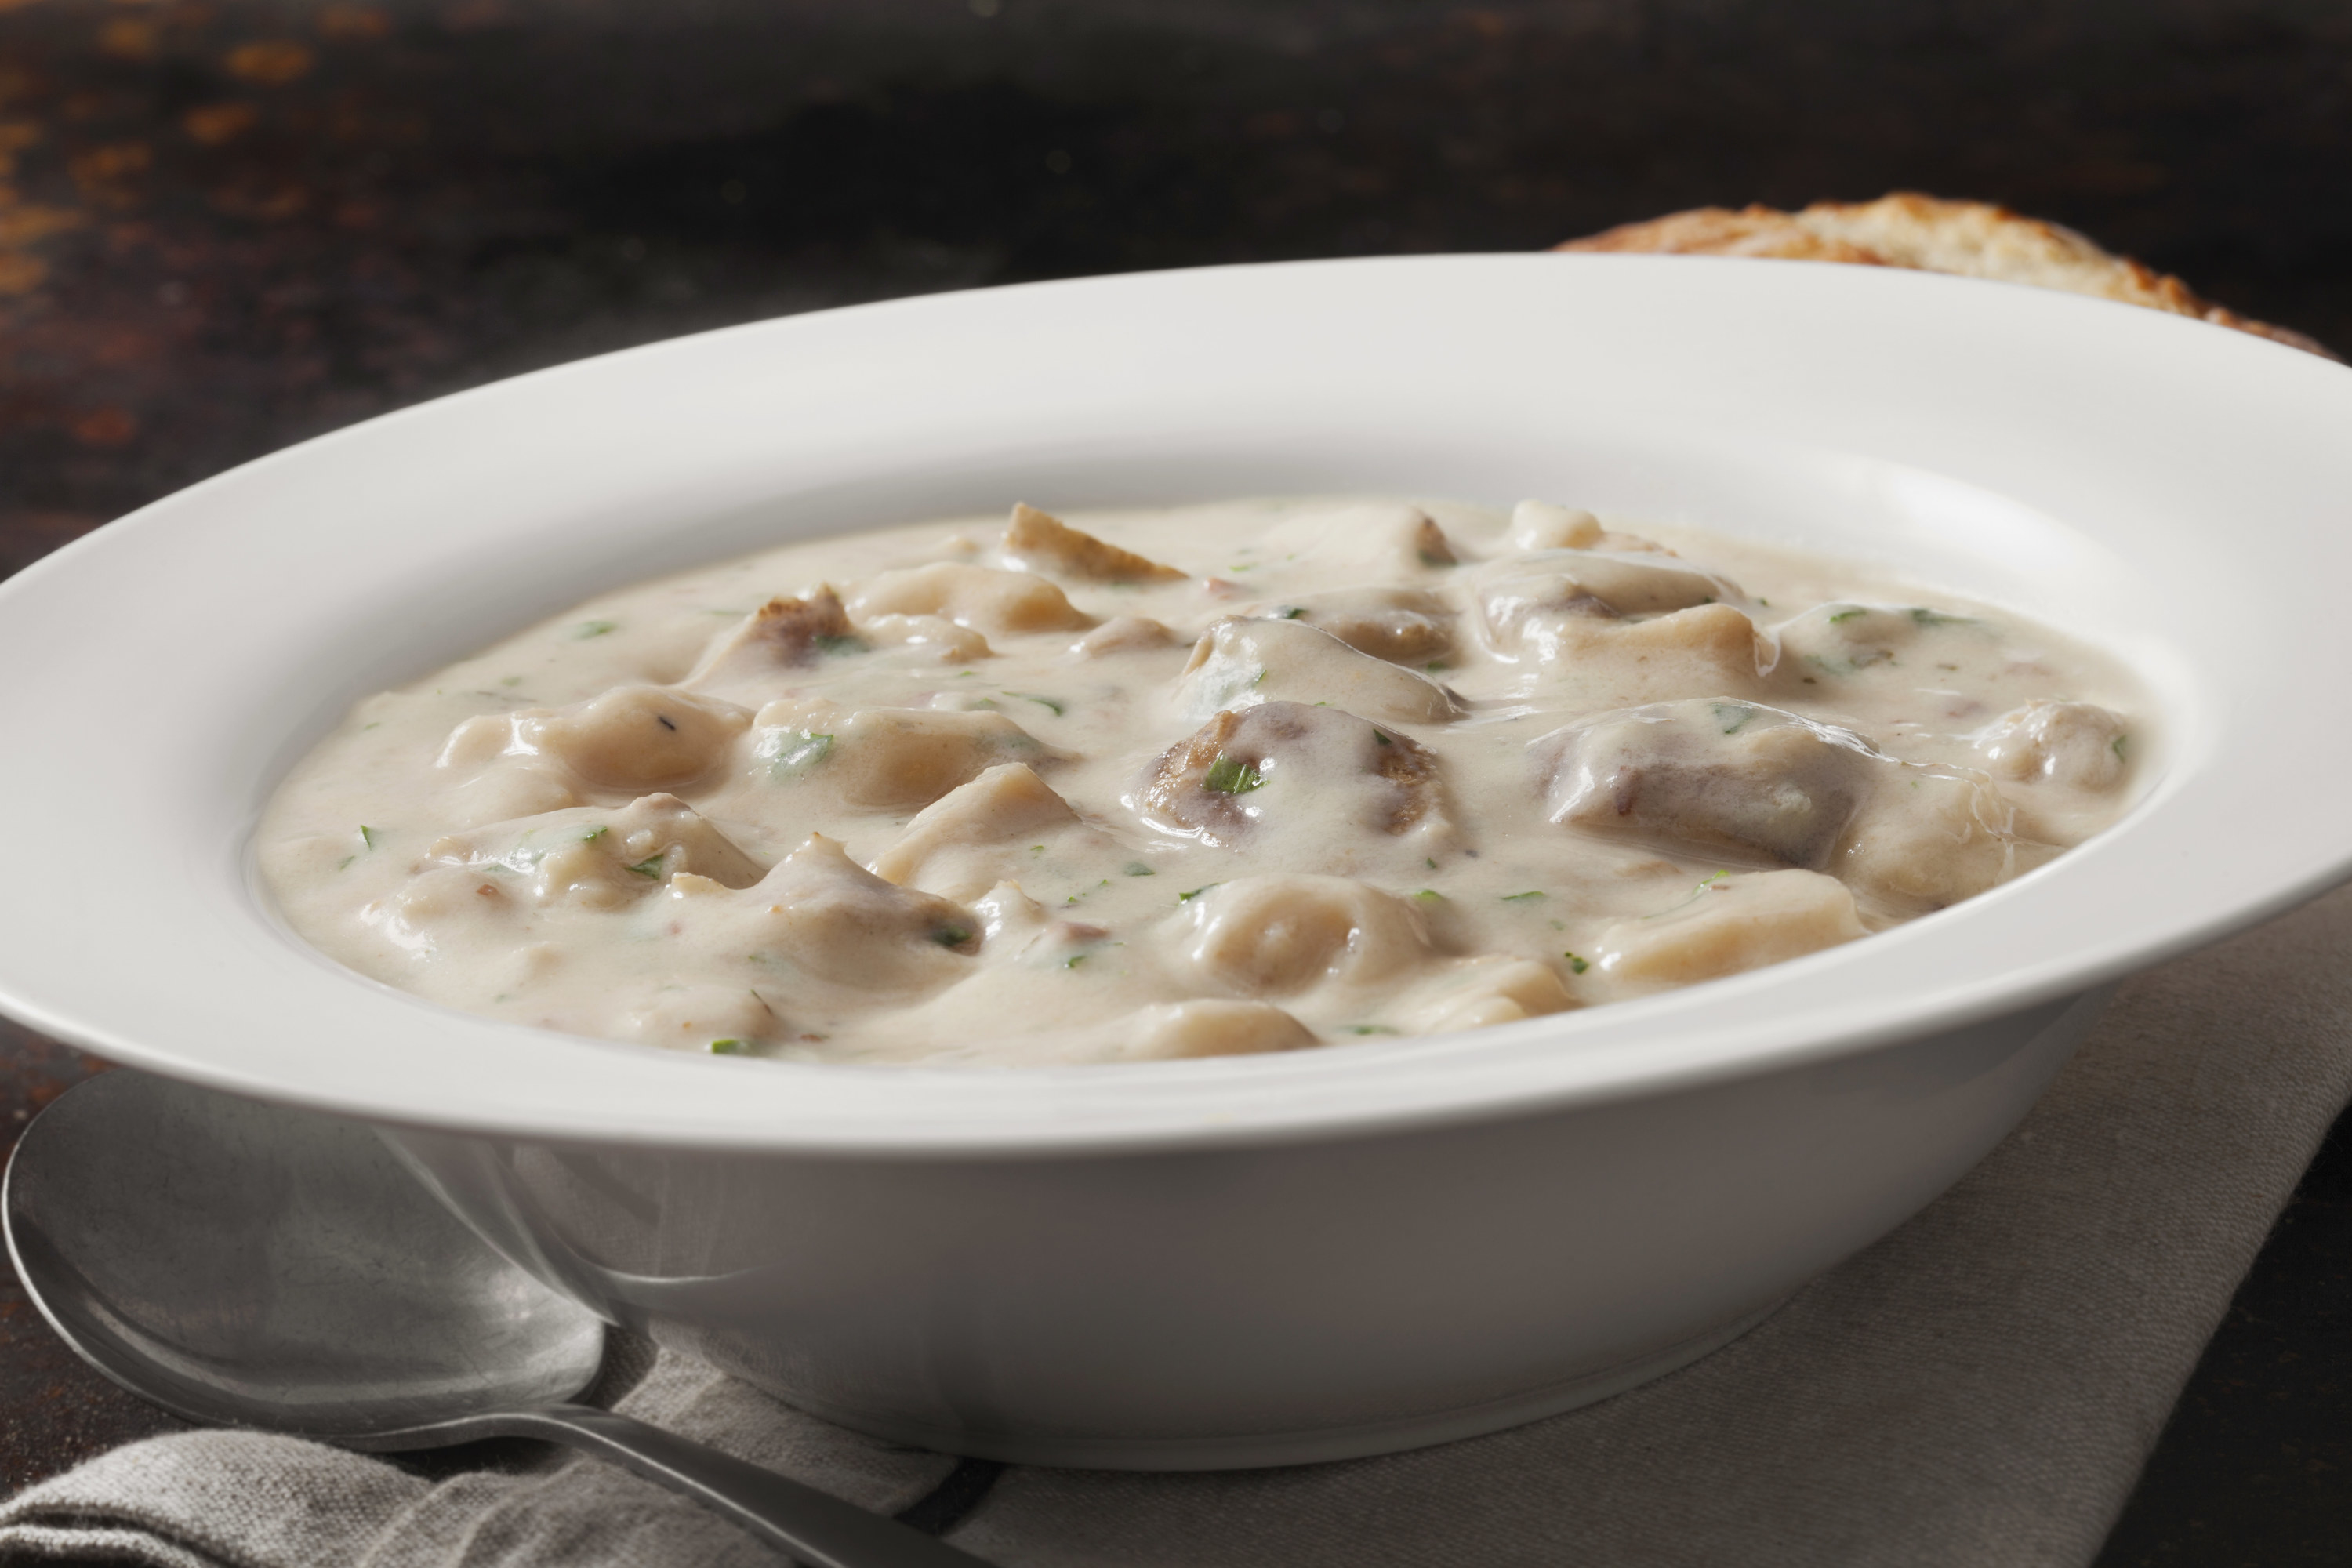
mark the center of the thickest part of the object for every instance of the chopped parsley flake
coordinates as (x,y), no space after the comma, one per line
(367,835)
(1844,616)
(650,867)
(1937,618)
(841,645)
(1429,896)
(1576,964)
(1137,869)
(1522,898)
(1188,898)
(1289,612)
(726,1047)
(594,833)
(1384,740)
(345,861)
(951,936)
(1733,716)
(587,629)
(2117,746)
(792,752)
(1231,775)
(1048,702)
(1074,961)
(1367,1028)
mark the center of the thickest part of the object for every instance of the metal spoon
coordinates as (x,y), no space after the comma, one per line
(248,1265)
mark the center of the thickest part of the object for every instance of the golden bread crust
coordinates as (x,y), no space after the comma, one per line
(1972,239)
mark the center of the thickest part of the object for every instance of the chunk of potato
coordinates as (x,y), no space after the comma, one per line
(631,738)
(2077,744)
(779,635)
(1370,543)
(1932,836)
(1521,600)
(1729,923)
(1403,625)
(1318,770)
(1599,661)
(1491,989)
(599,857)
(1210,1026)
(885,759)
(933,634)
(996,602)
(1274,935)
(958,844)
(1122,634)
(1540,525)
(1714,776)
(1036,541)
(1258,659)
(842,925)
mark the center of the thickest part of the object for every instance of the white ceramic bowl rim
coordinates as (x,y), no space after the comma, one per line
(2182,487)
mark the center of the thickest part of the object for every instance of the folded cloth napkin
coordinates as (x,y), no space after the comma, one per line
(1979,1388)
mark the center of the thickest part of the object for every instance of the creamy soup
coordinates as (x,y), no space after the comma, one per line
(1253,777)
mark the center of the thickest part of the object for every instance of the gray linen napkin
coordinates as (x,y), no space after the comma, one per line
(1979,1388)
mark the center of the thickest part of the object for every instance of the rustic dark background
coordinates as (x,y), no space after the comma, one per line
(228,225)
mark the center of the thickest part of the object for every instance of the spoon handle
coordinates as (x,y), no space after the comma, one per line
(819,1530)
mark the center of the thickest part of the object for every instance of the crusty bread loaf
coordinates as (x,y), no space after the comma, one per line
(1974,239)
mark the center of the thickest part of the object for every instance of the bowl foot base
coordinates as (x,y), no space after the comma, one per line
(1315,1444)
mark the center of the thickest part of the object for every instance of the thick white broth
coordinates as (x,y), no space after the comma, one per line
(1259,776)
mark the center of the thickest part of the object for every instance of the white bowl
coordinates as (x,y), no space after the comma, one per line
(1248,1261)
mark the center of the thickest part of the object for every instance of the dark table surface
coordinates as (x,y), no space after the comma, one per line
(228,225)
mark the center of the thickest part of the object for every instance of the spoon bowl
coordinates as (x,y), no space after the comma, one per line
(249,1265)
(239,1264)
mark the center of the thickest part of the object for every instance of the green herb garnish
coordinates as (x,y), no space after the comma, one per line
(367,835)
(1188,898)
(793,752)
(587,629)
(1289,612)
(1384,740)
(1576,964)
(1733,716)
(840,645)
(951,936)
(1522,898)
(1137,869)
(1844,616)
(1429,896)
(726,1047)
(1042,701)
(594,833)
(651,866)
(2117,746)
(1231,775)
